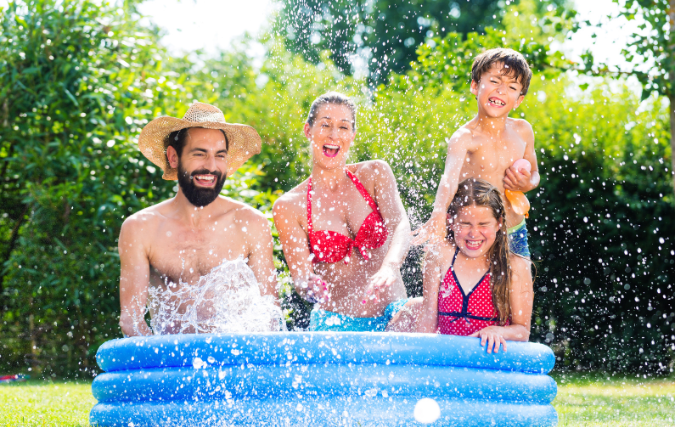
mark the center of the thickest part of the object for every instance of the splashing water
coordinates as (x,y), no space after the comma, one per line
(227,299)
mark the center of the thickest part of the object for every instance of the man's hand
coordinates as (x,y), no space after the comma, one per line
(493,336)
(518,180)
(380,282)
(434,230)
(315,289)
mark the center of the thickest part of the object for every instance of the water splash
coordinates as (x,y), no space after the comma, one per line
(227,299)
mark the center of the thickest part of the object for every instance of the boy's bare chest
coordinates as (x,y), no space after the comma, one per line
(182,253)
(491,156)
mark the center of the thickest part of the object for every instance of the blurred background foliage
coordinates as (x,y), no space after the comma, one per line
(79,79)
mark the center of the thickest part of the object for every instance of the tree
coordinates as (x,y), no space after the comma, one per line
(385,33)
(654,45)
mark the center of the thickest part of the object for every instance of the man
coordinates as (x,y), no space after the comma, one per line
(170,247)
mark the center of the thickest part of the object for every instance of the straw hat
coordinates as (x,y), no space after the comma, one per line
(243,140)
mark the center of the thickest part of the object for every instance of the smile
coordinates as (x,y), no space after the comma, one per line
(474,245)
(496,102)
(205,180)
(330,150)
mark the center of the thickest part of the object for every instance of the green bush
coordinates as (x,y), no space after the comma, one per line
(79,79)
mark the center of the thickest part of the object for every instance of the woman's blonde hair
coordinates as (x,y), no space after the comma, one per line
(478,192)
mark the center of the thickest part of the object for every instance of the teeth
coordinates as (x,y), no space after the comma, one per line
(498,102)
(205,177)
(332,147)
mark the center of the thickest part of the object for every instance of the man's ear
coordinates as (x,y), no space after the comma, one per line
(172,157)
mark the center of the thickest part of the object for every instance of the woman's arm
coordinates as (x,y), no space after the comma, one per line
(521,300)
(427,321)
(391,208)
(294,243)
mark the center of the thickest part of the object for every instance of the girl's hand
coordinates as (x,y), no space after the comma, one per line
(492,335)
(316,289)
(380,282)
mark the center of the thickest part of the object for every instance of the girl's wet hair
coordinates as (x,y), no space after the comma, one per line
(334,98)
(478,192)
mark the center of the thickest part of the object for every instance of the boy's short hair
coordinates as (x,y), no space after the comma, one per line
(514,61)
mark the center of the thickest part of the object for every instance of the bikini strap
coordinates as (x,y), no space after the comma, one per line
(363,191)
(309,206)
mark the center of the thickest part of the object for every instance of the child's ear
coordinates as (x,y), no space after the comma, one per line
(519,101)
(474,87)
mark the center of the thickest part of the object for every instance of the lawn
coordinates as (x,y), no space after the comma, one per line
(583,400)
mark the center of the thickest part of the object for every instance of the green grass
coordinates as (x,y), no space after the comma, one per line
(596,400)
(583,400)
(41,403)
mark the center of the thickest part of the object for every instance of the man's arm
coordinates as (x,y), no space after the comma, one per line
(261,254)
(134,278)
(458,147)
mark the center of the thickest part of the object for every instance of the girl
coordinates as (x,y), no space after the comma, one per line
(473,285)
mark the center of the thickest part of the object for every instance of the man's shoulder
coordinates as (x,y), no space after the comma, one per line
(148,217)
(244,213)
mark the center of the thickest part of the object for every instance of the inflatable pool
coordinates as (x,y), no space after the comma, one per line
(321,379)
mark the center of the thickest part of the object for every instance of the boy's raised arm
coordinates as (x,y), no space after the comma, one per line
(434,228)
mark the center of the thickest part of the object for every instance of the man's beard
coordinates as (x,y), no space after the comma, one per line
(196,195)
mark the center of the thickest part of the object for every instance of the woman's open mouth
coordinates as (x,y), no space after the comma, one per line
(205,180)
(331,150)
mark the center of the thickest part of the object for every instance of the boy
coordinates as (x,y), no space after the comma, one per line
(487,146)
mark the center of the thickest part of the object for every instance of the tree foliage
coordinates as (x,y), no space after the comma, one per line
(387,33)
(79,79)
(651,54)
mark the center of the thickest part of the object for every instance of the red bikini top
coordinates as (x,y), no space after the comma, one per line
(330,246)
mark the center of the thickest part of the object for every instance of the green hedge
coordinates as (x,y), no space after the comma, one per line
(78,80)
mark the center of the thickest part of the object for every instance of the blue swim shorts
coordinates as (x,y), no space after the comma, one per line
(322,320)
(518,239)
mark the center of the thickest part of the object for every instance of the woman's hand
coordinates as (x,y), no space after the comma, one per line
(493,336)
(315,290)
(380,282)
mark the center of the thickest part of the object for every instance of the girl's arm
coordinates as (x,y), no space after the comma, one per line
(294,243)
(427,321)
(522,298)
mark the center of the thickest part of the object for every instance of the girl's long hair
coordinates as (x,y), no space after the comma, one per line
(478,192)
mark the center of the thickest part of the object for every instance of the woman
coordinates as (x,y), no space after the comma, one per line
(344,230)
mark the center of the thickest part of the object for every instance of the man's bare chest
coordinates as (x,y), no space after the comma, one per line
(186,255)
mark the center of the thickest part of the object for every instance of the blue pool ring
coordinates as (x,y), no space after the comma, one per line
(320,379)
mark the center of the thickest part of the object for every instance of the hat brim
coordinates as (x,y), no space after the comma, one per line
(243,142)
